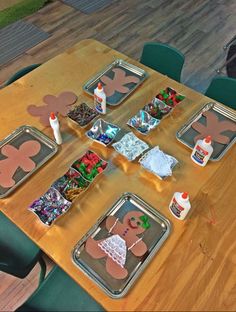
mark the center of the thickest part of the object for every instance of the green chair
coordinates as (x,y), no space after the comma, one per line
(59,292)
(20,74)
(163,58)
(223,89)
(18,254)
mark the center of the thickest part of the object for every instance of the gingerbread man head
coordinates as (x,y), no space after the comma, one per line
(136,221)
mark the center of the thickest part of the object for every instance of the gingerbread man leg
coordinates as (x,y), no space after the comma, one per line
(115,270)
(93,249)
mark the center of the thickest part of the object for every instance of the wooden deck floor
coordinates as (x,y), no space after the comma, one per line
(199,28)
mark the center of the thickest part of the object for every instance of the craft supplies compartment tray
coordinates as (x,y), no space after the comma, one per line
(153,237)
(44,147)
(130,70)
(80,111)
(186,133)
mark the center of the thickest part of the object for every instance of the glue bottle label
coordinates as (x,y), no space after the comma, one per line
(176,208)
(199,154)
(98,103)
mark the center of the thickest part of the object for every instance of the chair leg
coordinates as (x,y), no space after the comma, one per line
(225,47)
(43,270)
(225,63)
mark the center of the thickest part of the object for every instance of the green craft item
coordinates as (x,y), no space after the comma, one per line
(82,167)
(89,176)
(146,225)
(94,172)
(99,164)
(180,97)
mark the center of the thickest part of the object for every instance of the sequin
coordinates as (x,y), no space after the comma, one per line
(50,206)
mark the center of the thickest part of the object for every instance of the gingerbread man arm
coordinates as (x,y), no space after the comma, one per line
(110,221)
(139,249)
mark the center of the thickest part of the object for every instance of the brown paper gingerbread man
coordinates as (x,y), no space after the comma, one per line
(214,127)
(118,82)
(124,238)
(17,158)
(57,104)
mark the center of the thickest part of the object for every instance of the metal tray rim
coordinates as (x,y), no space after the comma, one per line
(205,107)
(46,139)
(108,67)
(146,261)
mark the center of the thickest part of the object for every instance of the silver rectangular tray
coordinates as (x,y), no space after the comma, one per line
(186,133)
(129,69)
(153,237)
(23,134)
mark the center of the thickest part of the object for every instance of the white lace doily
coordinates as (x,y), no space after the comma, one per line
(158,162)
(115,247)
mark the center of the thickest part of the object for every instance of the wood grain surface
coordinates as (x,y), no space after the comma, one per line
(199,29)
(195,269)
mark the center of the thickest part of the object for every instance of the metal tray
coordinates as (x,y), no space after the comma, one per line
(129,69)
(19,136)
(153,237)
(186,133)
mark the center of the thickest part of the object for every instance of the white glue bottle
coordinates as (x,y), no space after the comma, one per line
(202,151)
(54,123)
(100,99)
(180,205)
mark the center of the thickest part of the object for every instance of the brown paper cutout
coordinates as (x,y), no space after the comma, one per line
(56,104)
(128,231)
(118,82)
(17,158)
(214,128)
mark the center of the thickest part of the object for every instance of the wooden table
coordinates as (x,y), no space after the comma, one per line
(195,269)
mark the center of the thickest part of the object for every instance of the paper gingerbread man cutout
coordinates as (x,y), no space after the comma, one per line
(124,238)
(59,104)
(118,82)
(214,127)
(17,158)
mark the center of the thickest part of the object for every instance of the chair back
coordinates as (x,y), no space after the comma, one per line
(21,73)
(223,89)
(18,254)
(163,58)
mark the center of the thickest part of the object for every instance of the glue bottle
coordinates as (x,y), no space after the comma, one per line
(100,99)
(54,123)
(202,151)
(180,205)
